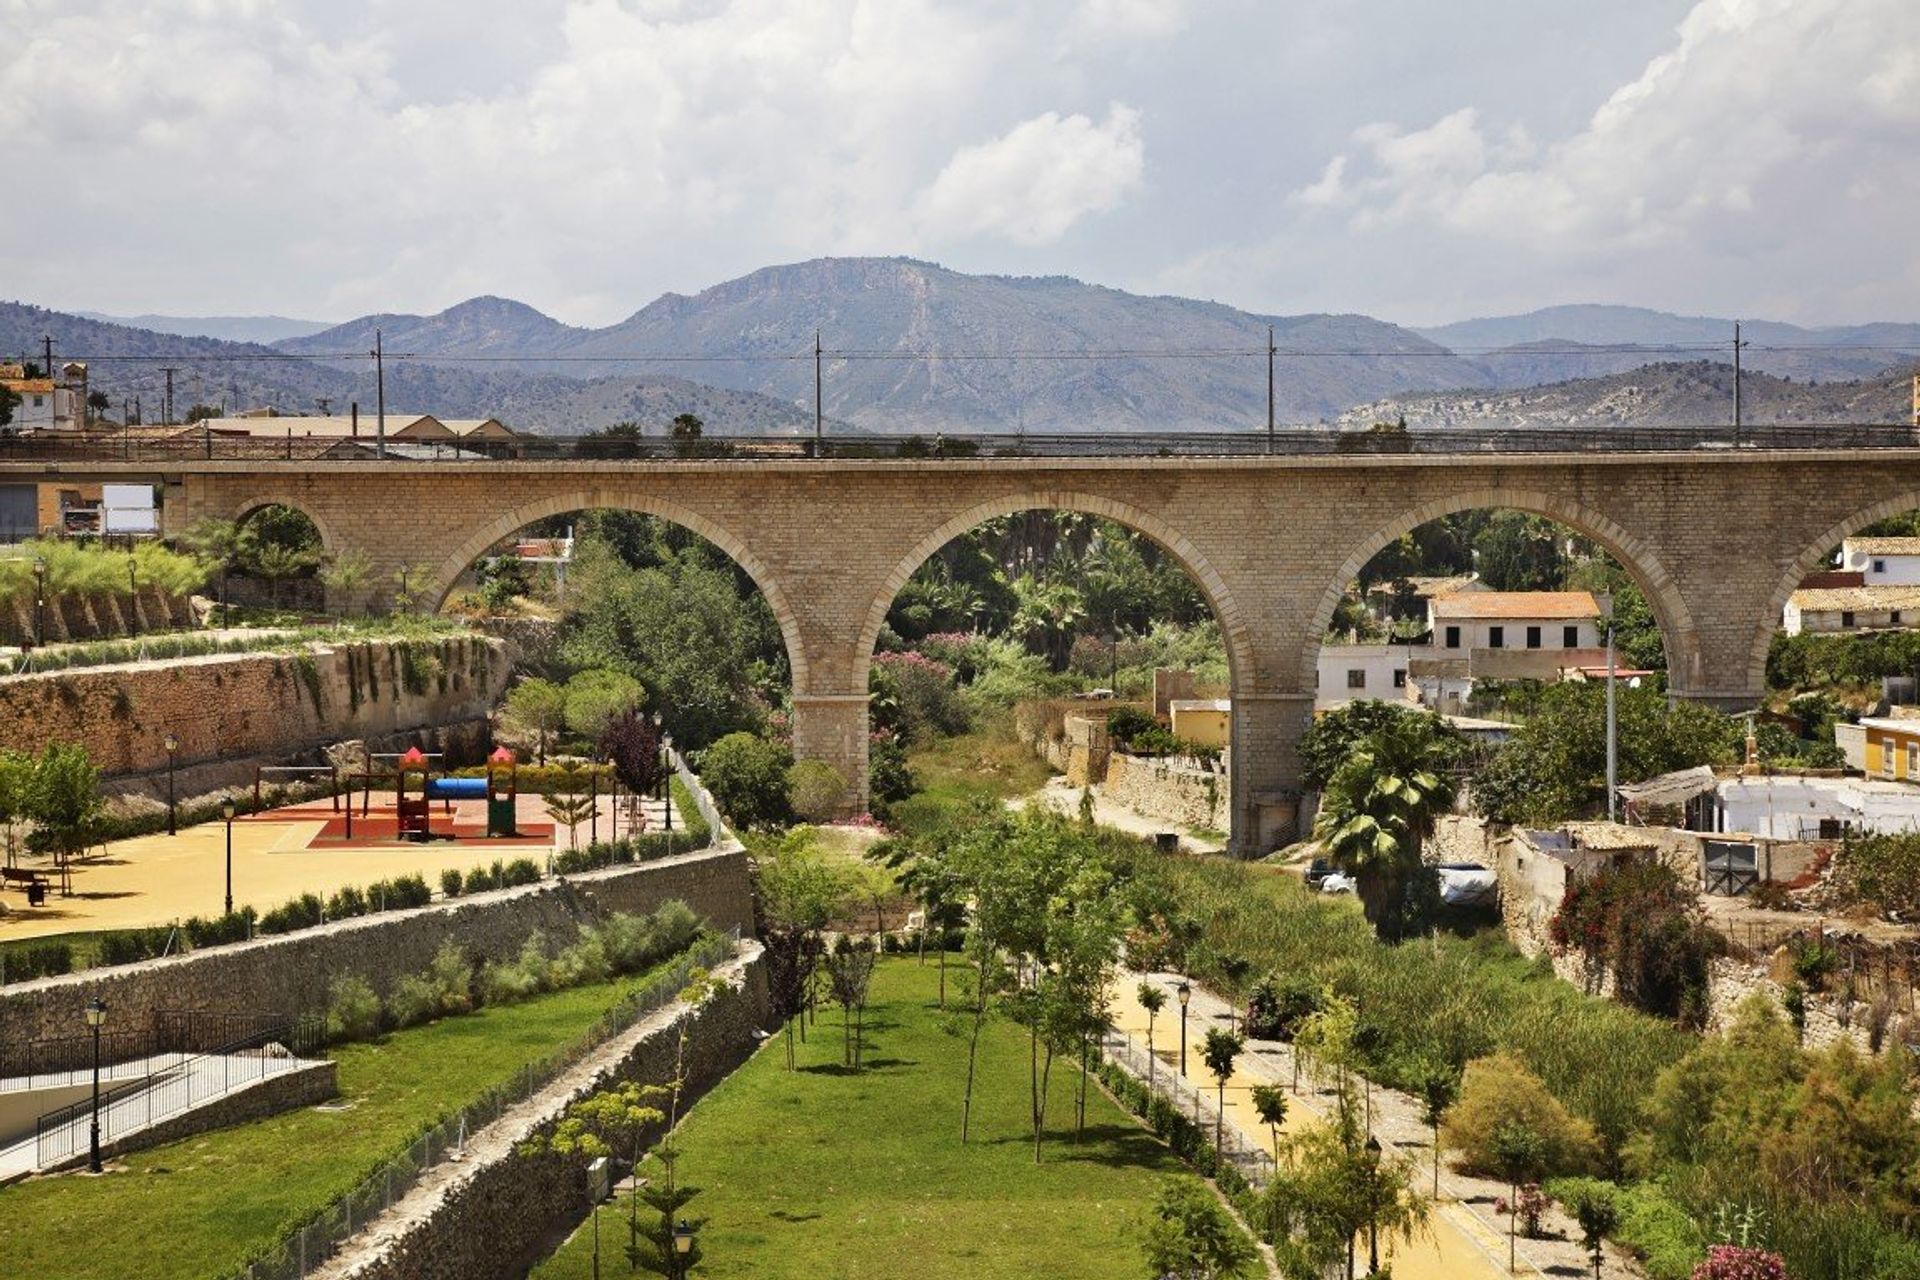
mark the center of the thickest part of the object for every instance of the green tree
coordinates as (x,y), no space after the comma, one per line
(347,573)
(748,779)
(9,401)
(1221,1048)
(1190,1237)
(1554,767)
(16,799)
(924,868)
(1335,735)
(570,806)
(228,544)
(595,697)
(632,744)
(611,1122)
(1270,1103)
(64,801)
(1520,1154)
(1596,1209)
(539,707)
(1377,812)
(798,894)
(1520,552)
(1153,1000)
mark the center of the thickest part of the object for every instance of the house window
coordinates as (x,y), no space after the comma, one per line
(1453,637)
(1913,761)
(1356,677)
(1879,566)
(38,401)
(1886,759)
(1846,618)
(1570,637)
(1893,619)
(1533,637)
(1400,677)
(1496,637)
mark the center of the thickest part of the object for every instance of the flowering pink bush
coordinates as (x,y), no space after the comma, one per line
(1737,1262)
(947,646)
(1533,1202)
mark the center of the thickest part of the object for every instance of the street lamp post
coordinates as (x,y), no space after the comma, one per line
(682,1246)
(666,770)
(1185,993)
(227,811)
(1373,1204)
(172,744)
(96,1018)
(133,593)
(40,601)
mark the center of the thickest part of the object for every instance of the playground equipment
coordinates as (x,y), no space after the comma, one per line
(500,789)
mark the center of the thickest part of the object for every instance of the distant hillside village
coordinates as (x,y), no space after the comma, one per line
(34,403)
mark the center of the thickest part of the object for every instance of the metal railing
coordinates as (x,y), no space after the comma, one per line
(310,1244)
(1289,441)
(1254,1162)
(56,1060)
(175,1081)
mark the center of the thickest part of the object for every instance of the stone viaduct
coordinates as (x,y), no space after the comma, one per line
(1716,538)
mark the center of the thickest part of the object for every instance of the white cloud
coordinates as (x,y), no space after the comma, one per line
(1765,136)
(1035,181)
(1127,19)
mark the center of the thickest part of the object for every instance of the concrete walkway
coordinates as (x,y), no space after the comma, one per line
(1464,1240)
(174,1085)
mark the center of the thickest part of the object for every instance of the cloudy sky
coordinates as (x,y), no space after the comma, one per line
(1415,160)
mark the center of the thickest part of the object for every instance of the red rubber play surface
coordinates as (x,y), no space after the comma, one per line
(462,820)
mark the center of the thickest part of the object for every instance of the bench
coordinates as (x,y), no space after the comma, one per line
(35,883)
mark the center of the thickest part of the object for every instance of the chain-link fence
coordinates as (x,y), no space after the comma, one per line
(322,1235)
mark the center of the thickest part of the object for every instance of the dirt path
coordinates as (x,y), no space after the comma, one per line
(1062,796)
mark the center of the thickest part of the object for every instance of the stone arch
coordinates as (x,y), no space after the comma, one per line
(1233,626)
(1807,562)
(1678,633)
(256,502)
(449,570)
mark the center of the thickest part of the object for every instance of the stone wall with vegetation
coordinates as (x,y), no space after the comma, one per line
(496,1212)
(290,973)
(1164,789)
(221,707)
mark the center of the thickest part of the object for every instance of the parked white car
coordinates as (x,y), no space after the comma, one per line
(1336,882)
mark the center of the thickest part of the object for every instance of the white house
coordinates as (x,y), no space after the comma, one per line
(1882,562)
(1843,609)
(1540,620)
(1353,672)
(46,403)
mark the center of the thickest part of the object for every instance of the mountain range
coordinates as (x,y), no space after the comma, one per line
(914,347)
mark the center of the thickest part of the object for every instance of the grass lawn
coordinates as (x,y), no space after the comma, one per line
(197,1208)
(820,1173)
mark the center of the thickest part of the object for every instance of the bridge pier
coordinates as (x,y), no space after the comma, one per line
(832,728)
(1266,770)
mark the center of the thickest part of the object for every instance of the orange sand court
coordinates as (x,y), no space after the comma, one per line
(278,855)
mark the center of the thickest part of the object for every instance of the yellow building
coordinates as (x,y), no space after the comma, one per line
(1892,748)
(1205,721)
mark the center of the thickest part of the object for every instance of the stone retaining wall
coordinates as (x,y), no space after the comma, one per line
(496,1212)
(290,973)
(225,706)
(1170,791)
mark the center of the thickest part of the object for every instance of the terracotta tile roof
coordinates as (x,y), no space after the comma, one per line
(29,386)
(1517,604)
(1837,598)
(1828,579)
(1883,546)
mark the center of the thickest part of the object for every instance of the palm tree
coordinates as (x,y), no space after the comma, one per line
(1379,808)
(1153,1000)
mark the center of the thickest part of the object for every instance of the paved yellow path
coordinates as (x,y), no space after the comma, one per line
(162,879)
(1457,1245)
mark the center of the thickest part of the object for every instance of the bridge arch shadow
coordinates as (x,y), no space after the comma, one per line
(446,574)
(1678,634)
(330,539)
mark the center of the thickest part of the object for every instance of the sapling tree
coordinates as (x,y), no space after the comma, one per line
(1270,1103)
(1153,1000)
(569,806)
(1221,1048)
(850,973)
(1520,1156)
(1437,1086)
(798,894)
(612,1122)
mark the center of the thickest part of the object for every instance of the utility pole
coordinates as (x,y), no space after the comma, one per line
(819,434)
(380,394)
(1613,724)
(1270,353)
(47,340)
(1737,344)
(166,405)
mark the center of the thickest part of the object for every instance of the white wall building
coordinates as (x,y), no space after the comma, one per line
(1352,672)
(1543,620)
(1889,606)
(1795,808)
(1882,561)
